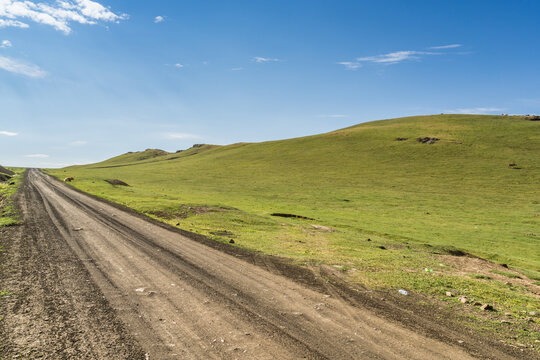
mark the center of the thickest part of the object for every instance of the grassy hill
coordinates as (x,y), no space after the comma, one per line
(151,155)
(474,190)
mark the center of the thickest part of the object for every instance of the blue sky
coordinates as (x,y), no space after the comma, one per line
(82,80)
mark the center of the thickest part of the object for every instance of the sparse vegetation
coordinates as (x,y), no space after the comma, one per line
(507,274)
(481,276)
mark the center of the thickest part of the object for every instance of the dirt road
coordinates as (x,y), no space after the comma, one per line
(110,285)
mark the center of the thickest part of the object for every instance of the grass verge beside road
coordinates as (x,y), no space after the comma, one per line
(8,214)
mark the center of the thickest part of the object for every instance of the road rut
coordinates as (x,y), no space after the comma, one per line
(182,299)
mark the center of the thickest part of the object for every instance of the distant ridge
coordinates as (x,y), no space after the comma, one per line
(134,156)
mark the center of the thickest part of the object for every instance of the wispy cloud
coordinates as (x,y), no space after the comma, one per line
(8,133)
(349,65)
(237,69)
(37,156)
(178,65)
(451,46)
(14,13)
(260,60)
(78,143)
(6,44)
(334,116)
(386,59)
(181,136)
(477,110)
(395,57)
(17,67)
(159,19)
(13,23)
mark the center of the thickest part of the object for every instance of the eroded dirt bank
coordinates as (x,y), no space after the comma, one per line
(93,281)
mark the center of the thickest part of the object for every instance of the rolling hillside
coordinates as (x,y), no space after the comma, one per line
(389,199)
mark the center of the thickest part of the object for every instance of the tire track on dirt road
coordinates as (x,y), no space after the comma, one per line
(182,299)
(54,310)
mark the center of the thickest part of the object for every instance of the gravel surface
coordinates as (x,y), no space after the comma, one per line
(92,281)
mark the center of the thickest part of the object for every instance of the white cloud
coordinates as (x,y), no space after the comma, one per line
(477,110)
(178,65)
(94,10)
(58,14)
(451,46)
(37,156)
(78,143)
(6,44)
(8,133)
(181,136)
(395,57)
(12,23)
(349,65)
(159,19)
(21,68)
(259,59)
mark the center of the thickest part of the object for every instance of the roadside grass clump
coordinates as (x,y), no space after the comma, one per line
(8,213)
(397,207)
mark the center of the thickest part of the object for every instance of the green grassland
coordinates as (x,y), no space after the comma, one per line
(417,203)
(8,213)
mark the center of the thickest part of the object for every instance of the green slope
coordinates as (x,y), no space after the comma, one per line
(417,200)
(474,199)
(148,156)
(138,156)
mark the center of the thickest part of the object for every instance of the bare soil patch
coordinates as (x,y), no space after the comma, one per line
(185,211)
(427,140)
(206,209)
(116,182)
(473,265)
(323,228)
(291,216)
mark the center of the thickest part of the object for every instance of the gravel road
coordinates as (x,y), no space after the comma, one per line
(102,283)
